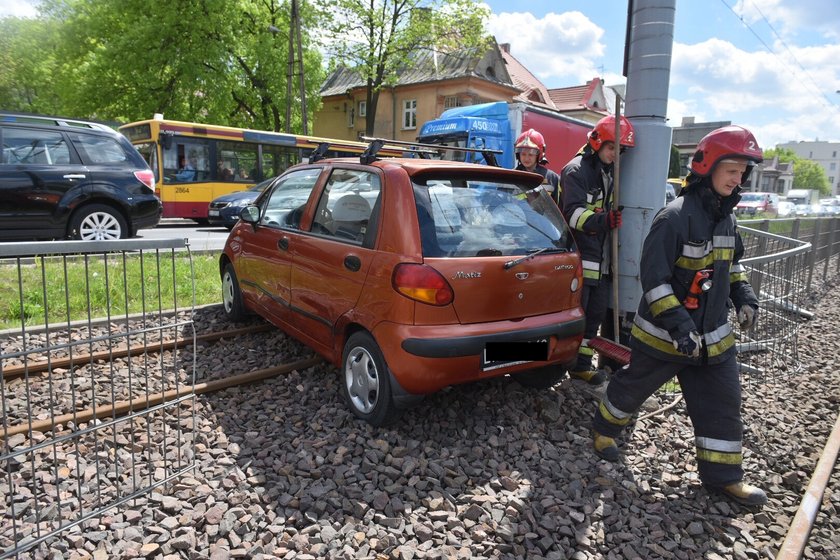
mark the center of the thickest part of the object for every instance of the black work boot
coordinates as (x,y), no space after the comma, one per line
(743,493)
(604,447)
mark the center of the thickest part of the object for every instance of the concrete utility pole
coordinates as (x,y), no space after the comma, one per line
(644,169)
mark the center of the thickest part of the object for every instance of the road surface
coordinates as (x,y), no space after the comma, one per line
(202,238)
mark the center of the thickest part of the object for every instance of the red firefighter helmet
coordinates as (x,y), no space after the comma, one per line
(531,139)
(726,142)
(604,131)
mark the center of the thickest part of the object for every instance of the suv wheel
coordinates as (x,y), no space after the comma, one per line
(98,222)
(231,295)
(366,381)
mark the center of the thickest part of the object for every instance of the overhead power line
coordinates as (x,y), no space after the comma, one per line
(816,87)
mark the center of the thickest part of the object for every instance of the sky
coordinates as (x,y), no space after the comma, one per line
(772,66)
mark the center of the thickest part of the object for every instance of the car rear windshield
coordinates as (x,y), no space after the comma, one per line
(468,218)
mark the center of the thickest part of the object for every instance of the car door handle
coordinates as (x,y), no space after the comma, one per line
(283,243)
(75,176)
(352,263)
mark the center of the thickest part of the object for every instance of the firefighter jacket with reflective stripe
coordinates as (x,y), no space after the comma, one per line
(685,238)
(587,196)
(549,178)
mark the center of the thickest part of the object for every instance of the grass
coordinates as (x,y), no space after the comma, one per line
(58,290)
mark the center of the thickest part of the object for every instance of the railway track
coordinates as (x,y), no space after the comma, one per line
(96,389)
(523,453)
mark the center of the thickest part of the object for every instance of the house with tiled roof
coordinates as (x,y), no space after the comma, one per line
(430,84)
(530,87)
(587,102)
(434,82)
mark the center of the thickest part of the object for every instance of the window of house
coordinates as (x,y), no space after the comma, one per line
(351,117)
(832,166)
(362,108)
(410,113)
(451,101)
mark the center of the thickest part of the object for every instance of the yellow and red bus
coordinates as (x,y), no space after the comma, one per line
(194,163)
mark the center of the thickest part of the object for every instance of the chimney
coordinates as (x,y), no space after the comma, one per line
(686,121)
(505,47)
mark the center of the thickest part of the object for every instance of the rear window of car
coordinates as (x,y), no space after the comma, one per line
(99,149)
(475,218)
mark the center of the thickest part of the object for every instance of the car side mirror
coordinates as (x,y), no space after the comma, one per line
(250,214)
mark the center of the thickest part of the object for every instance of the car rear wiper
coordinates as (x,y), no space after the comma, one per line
(531,254)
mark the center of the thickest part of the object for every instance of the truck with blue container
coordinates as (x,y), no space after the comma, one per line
(495,126)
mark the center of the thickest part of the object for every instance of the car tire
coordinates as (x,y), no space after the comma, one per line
(97,222)
(366,381)
(540,378)
(232,295)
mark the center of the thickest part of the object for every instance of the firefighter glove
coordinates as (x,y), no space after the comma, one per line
(746,317)
(614,219)
(688,344)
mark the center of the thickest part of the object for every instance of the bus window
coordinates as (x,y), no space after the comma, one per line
(186,162)
(236,161)
(149,152)
(276,159)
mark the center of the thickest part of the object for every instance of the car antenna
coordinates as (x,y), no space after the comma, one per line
(425,150)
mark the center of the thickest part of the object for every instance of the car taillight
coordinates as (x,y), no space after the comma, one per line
(147,178)
(422,283)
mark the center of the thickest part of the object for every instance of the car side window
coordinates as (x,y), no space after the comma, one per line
(286,203)
(346,205)
(99,149)
(23,146)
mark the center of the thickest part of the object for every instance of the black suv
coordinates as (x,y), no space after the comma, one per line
(62,178)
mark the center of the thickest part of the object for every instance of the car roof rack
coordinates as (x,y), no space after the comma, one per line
(46,120)
(320,152)
(423,150)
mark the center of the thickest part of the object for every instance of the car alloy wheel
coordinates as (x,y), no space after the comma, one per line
(98,222)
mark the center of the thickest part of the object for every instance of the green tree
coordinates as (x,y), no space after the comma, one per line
(27,65)
(377,37)
(199,60)
(807,174)
(674,169)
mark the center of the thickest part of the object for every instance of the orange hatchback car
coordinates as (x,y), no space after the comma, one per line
(410,275)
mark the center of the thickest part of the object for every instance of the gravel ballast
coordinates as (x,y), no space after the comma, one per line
(487,470)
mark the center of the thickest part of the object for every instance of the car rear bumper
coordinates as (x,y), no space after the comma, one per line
(146,214)
(424,359)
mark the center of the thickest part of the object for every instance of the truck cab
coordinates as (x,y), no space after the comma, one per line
(475,126)
(496,125)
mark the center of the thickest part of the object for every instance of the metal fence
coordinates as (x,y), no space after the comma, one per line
(93,415)
(784,258)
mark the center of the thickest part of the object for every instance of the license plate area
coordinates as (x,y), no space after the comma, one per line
(506,353)
(212,212)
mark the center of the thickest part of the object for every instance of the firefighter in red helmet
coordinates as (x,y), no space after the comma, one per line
(588,208)
(685,332)
(530,156)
